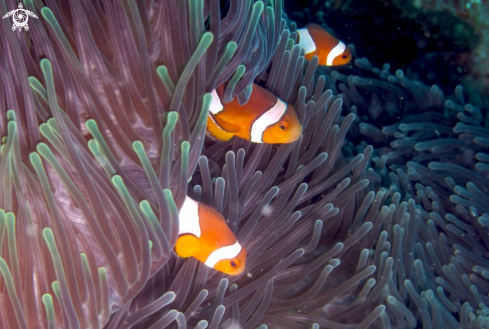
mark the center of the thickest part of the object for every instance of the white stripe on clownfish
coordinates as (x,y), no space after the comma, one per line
(228,252)
(305,41)
(189,218)
(266,119)
(335,52)
(216,105)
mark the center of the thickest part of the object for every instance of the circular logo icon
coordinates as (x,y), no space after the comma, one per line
(20,17)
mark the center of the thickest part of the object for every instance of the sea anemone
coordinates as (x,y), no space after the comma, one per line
(103,114)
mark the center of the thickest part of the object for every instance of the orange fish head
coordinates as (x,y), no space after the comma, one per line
(343,58)
(287,130)
(234,266)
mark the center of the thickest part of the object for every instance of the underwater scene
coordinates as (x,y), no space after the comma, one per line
(244,164)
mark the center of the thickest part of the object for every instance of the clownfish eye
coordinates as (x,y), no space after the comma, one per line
(282,125)
(344,56)
(234,263)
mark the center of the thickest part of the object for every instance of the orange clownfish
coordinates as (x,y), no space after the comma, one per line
(316,41)
(204,235)
(265,118)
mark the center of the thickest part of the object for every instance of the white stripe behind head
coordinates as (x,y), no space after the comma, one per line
(228,252)
(216,105)
(305,41)
(189,218)
(268,118)
(335,52)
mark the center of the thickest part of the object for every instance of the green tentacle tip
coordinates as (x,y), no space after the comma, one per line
(33,81)
(43,149)
(52,124)
(118,183)
(258,6)
(84,260)
(36,84)
(240,70)
(48,15)
(48,235)
(91,126)
(10,219)
(35,159)
(148,212)
(11,115)
(202,324)
(44,129)
(290,44)
(138,147)
(171,121)
(207,101)
(4,139)
(172,118)
(102,273)
(12,127)
(162,71)
(168,195)
(47,299)
(185,147)
(46,65)
(231,47)
(206,39)
(93,145)
(56,288)
(144,204)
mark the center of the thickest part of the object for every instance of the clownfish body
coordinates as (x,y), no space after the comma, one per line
(204,235)
(265,118)
(316,41)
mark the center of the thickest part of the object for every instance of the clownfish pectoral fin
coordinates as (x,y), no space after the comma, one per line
(229,127)
(187,246)
(216,131)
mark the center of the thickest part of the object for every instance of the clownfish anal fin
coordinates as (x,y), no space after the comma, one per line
(187,245)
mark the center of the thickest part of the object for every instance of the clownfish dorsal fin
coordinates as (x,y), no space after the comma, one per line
(187,245)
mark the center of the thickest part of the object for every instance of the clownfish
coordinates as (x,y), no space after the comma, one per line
(265,118)
(316,41)
(204,235)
